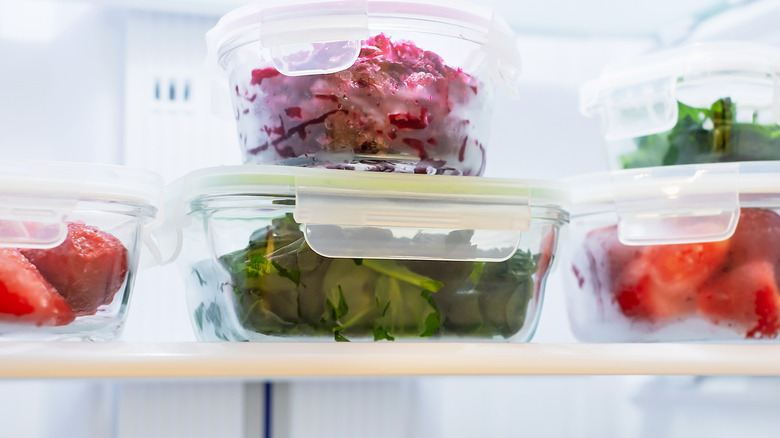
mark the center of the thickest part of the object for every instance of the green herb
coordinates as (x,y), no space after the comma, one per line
(433,320)
(380,333)
(704,135)
(392,269)
(292,274)
(283,288)
(341,309)
(201,281)
(199,316)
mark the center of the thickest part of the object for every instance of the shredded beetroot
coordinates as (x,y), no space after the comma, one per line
(395,100)
(408,121)
(462,151)
(293,112)
(418,146)
(264,73)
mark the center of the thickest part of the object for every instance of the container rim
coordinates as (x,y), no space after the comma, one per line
(244,24)
(281,181)
(87,181)
(734,60)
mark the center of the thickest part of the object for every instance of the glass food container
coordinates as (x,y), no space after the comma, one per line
(70,242)
(274,253)
(705,103)
(677,253)
(403,86)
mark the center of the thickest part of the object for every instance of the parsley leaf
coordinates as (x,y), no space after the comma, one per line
(293,274)
(340,310)
(433,320)
(380,333)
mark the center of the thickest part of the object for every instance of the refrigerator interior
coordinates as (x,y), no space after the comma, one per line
(121,81)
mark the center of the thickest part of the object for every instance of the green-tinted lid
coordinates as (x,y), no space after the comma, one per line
(497,207)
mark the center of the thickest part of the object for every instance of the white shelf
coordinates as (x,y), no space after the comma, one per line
(278,360)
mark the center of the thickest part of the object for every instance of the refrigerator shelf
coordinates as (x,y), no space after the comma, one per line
(287,360)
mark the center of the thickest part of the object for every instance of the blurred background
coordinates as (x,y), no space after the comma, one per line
(121,81)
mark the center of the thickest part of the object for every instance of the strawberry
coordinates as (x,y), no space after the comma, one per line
(26,297)
(663,282)
(641,294)
(757,237)
(746,297)
(88,268)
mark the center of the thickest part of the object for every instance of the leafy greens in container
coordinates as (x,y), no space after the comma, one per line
(702,103)
(707,135)
(282,287)
(275,253)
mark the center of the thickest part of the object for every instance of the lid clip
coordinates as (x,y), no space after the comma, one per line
(676,204)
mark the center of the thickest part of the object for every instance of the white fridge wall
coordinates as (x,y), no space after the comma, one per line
(62,75)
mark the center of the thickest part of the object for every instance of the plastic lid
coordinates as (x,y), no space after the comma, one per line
(676,204)
(335,29)
(386,209)
(37,197)
(639,97)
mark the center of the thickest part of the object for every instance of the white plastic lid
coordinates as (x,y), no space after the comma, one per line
(336,27)
(677,204)
(640,97)
(400,206)
(37,197)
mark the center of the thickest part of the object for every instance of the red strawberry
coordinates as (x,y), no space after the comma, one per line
(545,259)
(690,263)
(88,268)
(640,294)
(757,237)
(663,282)
(747,297)
(25,296)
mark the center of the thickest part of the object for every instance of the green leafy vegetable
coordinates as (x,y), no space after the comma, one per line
(339,310)
(433,320)
(705,135)
(283,288)
(292,274)
(380,333)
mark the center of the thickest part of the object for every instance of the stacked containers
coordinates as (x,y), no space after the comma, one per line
(680,245)
(70,241)
(416,248)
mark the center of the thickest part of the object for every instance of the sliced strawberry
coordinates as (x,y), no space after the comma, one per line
(88,268)
(663,282)
(757,237)
(545,260)
(26,297)
(745,297)
(690,264)
(642,294)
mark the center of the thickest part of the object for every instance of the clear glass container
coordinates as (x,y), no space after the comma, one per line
(705,103)
(70,242)
(678,253)
(403,86)
(283,254)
